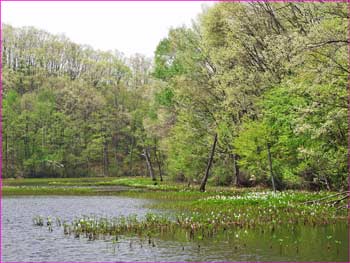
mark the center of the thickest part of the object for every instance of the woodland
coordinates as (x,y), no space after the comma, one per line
(251,94)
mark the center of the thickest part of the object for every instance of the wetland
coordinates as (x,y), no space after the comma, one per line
(138,221)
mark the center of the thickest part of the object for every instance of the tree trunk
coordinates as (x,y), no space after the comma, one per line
(270,165)
(105,159)
(13,161)
(236,179)
(115,148)
(149,164)
(210,162)
(26,141)
(6,156)
(131,168)
(64,149)
(158,161)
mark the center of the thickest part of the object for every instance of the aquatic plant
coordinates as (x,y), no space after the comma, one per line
(38,221)
(202,215)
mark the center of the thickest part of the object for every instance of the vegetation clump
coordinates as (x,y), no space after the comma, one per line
(214,214)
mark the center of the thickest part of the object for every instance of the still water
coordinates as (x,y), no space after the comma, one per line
(22,241)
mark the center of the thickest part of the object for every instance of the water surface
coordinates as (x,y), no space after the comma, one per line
(22,241)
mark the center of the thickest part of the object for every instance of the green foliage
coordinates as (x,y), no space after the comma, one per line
(258,75)
(251,145)
(165,64)
(165,97)
(187,148)
(66,107)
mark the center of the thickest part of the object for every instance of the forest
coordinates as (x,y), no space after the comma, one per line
(251,94)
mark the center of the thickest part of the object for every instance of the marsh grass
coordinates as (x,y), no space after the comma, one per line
(44,190)
(200,216)
(134,181)
(48,186)
(193,212)
(247,209)
(81,181)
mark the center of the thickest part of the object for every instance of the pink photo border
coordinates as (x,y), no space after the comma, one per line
(299,1)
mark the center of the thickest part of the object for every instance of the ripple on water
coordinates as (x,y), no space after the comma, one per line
(22,241)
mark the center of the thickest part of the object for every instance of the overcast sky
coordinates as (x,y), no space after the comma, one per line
(130,27)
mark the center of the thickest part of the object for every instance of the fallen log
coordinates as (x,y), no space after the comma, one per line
(332,200)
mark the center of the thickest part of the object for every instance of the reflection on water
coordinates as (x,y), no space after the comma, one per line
(22,241)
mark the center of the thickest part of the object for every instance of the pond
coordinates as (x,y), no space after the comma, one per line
(22,241)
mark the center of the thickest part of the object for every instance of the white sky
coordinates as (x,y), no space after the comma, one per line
(130,27)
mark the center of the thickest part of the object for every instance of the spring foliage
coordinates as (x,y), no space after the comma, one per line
(259,75)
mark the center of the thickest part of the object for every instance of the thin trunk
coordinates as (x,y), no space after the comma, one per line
(149,164)
(327,183)
(6,155)
(105,159)
(26,141)
(131,155)
(13,160)
(270,165)
(43,139)
(236,179)
(115,147)
(159,164)
(63,148)
(210,162)
(85,140)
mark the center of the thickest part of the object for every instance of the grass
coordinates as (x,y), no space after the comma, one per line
(81,186)
(81,181)
(146,183)
(43,190)
(134,182)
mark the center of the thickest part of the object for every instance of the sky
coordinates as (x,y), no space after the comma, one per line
(129,27)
